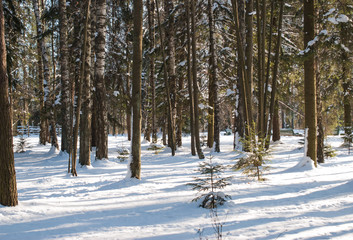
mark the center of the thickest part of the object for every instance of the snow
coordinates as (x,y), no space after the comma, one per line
(342,18)
(295,202)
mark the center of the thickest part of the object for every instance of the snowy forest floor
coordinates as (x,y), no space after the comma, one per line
(293,203)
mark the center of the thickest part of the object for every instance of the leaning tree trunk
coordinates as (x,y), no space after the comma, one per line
(135,161)
(8,185)
(102,120)
(309,81)
(65,91)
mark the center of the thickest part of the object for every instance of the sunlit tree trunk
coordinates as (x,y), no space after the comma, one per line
(8,185)
(309,80)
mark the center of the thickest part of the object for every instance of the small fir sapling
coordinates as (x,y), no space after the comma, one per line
(254,163)
(209,183)
(348,138)
(21,144)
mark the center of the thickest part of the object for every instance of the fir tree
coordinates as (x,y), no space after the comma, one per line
(253,164)
(210,183)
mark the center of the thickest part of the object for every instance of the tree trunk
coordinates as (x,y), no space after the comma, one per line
(135,164)
(190,86)
(274,78)
(8,185)
(309,81)
(346,82)
(85,52)
(151,16)
(213,90)
(171,138)
(170,60)
(195,82)
(42,80)
(276,130)
(65,91)
(86,116)
(102,120)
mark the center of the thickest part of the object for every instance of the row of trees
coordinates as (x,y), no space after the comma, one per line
(174,67)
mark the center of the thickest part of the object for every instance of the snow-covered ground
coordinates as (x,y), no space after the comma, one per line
(294,203)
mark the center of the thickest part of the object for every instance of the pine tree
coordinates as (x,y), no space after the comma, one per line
(8,186)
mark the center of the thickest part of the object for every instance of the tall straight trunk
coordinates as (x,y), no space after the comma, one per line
(241,59)
(190,86)
(274,77)
(195,84)
(128,92)
(42,81)
(102,118)
(170,55)
(65,91)
(8,185)
(86,116)
(135,163)
(86,44)
(214,101)
(346,82)
(171,139)
(309,81)
(94,120)
(151,16)
(267,77)
(211,75)
(240,115)
(179,113)
(249,49)
(262,72)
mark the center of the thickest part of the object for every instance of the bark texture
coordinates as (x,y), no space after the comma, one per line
(309,80)
(135,164)
(101,113)
(8,185)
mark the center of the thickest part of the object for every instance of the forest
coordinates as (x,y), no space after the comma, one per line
(173,73)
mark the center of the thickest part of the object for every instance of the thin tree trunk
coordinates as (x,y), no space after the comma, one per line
(151,16)
(65,91)
(81,79)
(170,61)
(309,81)
(42,80)
(170,117)
(195,84)
(274,77)
(135,164)
(190,86)
(8,185)
(245,83)
(214,103)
